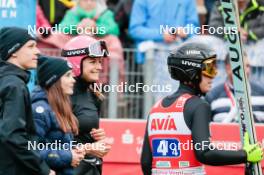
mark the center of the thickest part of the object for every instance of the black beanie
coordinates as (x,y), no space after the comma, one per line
(11,40)
(50,70)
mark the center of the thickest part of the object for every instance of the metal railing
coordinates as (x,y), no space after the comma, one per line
(125,104)
(137,104)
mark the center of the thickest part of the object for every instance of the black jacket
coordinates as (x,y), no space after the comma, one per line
(197,114)
(86,107)
(16,125)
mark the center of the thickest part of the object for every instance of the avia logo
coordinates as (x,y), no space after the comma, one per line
(193,52)
(189,63)
(76,52)
(163,124)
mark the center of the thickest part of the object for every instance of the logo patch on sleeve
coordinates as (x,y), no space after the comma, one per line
(40,109)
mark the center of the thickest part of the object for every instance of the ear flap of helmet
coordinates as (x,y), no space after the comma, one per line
(182,74)
(192,73)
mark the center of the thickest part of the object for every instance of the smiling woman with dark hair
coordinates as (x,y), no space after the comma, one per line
(54,119)
(86,100)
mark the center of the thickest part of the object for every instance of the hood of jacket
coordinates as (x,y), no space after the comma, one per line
(38,94)
(7,68)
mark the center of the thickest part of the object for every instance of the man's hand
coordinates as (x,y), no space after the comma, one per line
(181,33)
(169,38)
(243,34)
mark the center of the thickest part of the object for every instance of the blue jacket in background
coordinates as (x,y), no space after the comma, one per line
(148,15)
(49,131)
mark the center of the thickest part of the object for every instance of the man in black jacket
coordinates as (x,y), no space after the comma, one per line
(18,53)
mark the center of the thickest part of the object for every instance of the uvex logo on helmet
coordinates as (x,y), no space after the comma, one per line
(193,52)
(189,63)
(75,52)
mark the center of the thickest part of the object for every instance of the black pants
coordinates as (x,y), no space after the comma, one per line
(86,168)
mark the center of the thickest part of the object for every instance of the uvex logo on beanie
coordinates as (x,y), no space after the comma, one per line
(50,70)
(11,40)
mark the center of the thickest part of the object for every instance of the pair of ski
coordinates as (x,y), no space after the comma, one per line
(246,120)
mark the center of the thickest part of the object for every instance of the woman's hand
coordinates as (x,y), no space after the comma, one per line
(77,156)
(98,134)
(98,149)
